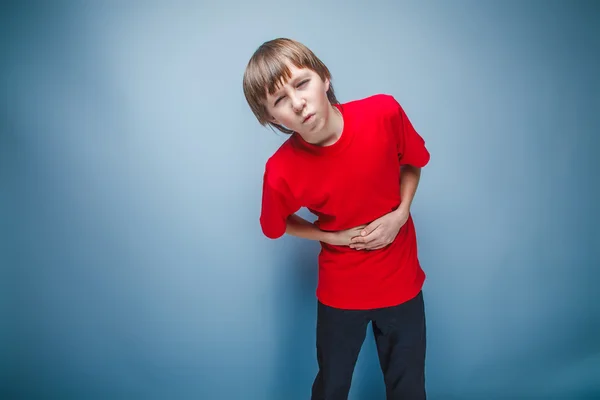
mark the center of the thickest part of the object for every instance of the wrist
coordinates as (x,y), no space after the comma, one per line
(403,208)
(328,237)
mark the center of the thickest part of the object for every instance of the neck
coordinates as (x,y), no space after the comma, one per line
(332,130)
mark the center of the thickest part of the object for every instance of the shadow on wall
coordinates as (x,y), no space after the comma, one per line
(295,312)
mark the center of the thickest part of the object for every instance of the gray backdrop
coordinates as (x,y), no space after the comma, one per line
(133,265)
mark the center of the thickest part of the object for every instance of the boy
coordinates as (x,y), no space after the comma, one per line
(356,166)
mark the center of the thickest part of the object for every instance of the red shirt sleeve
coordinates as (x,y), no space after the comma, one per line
(277,205)
(410,145)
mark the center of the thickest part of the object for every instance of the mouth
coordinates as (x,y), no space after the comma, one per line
(308,118)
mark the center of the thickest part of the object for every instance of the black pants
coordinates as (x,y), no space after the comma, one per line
(400,337)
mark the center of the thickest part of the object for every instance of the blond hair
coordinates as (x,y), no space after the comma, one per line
(268,68)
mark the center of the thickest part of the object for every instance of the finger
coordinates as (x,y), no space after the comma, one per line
(368,246)
(367,240)
(371,246)
(380,245)
(356,239)
(362,239)
(367,233)
(374,236)
(358,229)
(370,228)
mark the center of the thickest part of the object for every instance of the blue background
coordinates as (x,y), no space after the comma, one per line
(133,265)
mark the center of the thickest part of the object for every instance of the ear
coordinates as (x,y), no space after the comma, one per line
(327,82)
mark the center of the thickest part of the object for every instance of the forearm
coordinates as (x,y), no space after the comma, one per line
(409,181)
(299,227)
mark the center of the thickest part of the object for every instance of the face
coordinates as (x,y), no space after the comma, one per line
(301,103)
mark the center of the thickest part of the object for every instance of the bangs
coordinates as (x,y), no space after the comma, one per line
(271,71)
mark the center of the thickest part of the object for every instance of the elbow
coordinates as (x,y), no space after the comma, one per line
(271,231)
(272,234)
(421,161)
(424,159)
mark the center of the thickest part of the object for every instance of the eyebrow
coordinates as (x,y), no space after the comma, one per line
(295,79)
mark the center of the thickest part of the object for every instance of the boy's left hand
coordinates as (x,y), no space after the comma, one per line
(380,232)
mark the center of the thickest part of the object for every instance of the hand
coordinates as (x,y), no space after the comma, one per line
(343,238)
(381,232)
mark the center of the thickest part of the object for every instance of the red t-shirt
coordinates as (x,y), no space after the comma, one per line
(349,183)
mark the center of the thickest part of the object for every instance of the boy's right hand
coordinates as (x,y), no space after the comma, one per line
(343,238)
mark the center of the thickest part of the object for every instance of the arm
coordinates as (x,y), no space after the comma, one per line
(383,231)
(277,204)
(409,182)
(412,156)
(299,227)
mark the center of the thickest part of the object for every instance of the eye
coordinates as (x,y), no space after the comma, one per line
(303,82)
(278,100)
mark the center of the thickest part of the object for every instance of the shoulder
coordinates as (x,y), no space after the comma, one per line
(278,165)
(381,103)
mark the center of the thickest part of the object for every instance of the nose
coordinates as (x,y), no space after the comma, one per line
(298,103)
